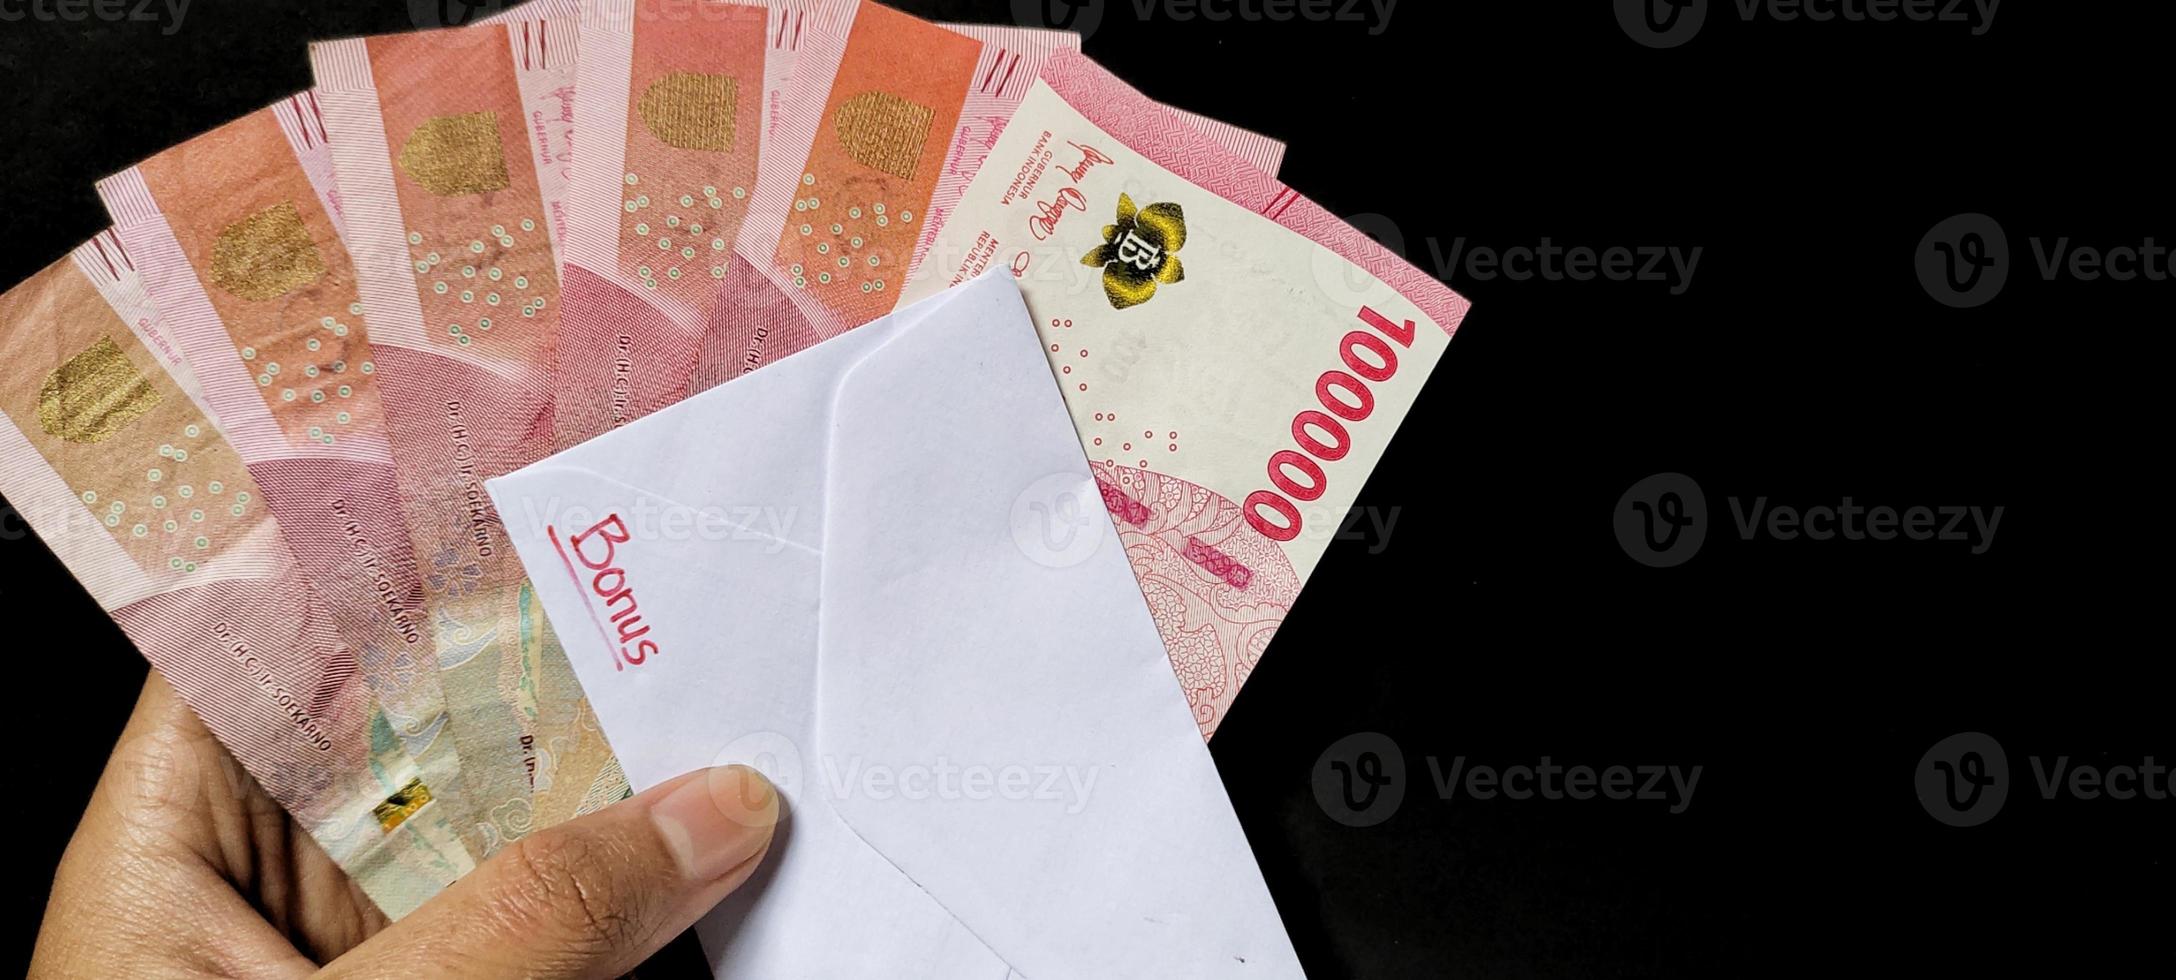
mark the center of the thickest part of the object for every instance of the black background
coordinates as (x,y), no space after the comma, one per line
(1500,620)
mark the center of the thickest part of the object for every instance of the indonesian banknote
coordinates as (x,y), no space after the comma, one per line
(670,107)
(151,330)
(674,106)
(451,148)
(878,103)
(1236,359)
(678,109)
(885,120)
(237,234)
(128,481)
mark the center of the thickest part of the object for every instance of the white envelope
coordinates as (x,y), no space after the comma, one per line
(880,570)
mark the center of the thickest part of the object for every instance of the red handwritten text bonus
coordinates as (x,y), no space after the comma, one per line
(1321,434)
(596,550)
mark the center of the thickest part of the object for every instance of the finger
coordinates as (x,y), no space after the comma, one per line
(145,887)
(592,897)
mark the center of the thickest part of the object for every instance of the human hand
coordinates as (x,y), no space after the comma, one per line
(182,865)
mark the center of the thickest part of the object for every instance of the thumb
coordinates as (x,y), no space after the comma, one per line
(593,897)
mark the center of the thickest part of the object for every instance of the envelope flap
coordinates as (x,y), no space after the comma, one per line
(989,670)
(678,557)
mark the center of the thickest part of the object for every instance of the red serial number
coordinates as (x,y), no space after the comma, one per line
(1333,442)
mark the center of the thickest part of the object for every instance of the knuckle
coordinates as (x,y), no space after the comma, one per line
(159,784)
(566,886)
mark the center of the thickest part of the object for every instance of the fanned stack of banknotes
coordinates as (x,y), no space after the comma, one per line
(538,409)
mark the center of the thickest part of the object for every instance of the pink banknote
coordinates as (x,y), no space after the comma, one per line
(454,207)
(671,104)
(1236,359)
(237,236)
(675,104)
(137,492)
(885,120)
(151,329)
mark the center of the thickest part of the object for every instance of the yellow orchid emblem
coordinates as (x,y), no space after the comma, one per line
(1139,252)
